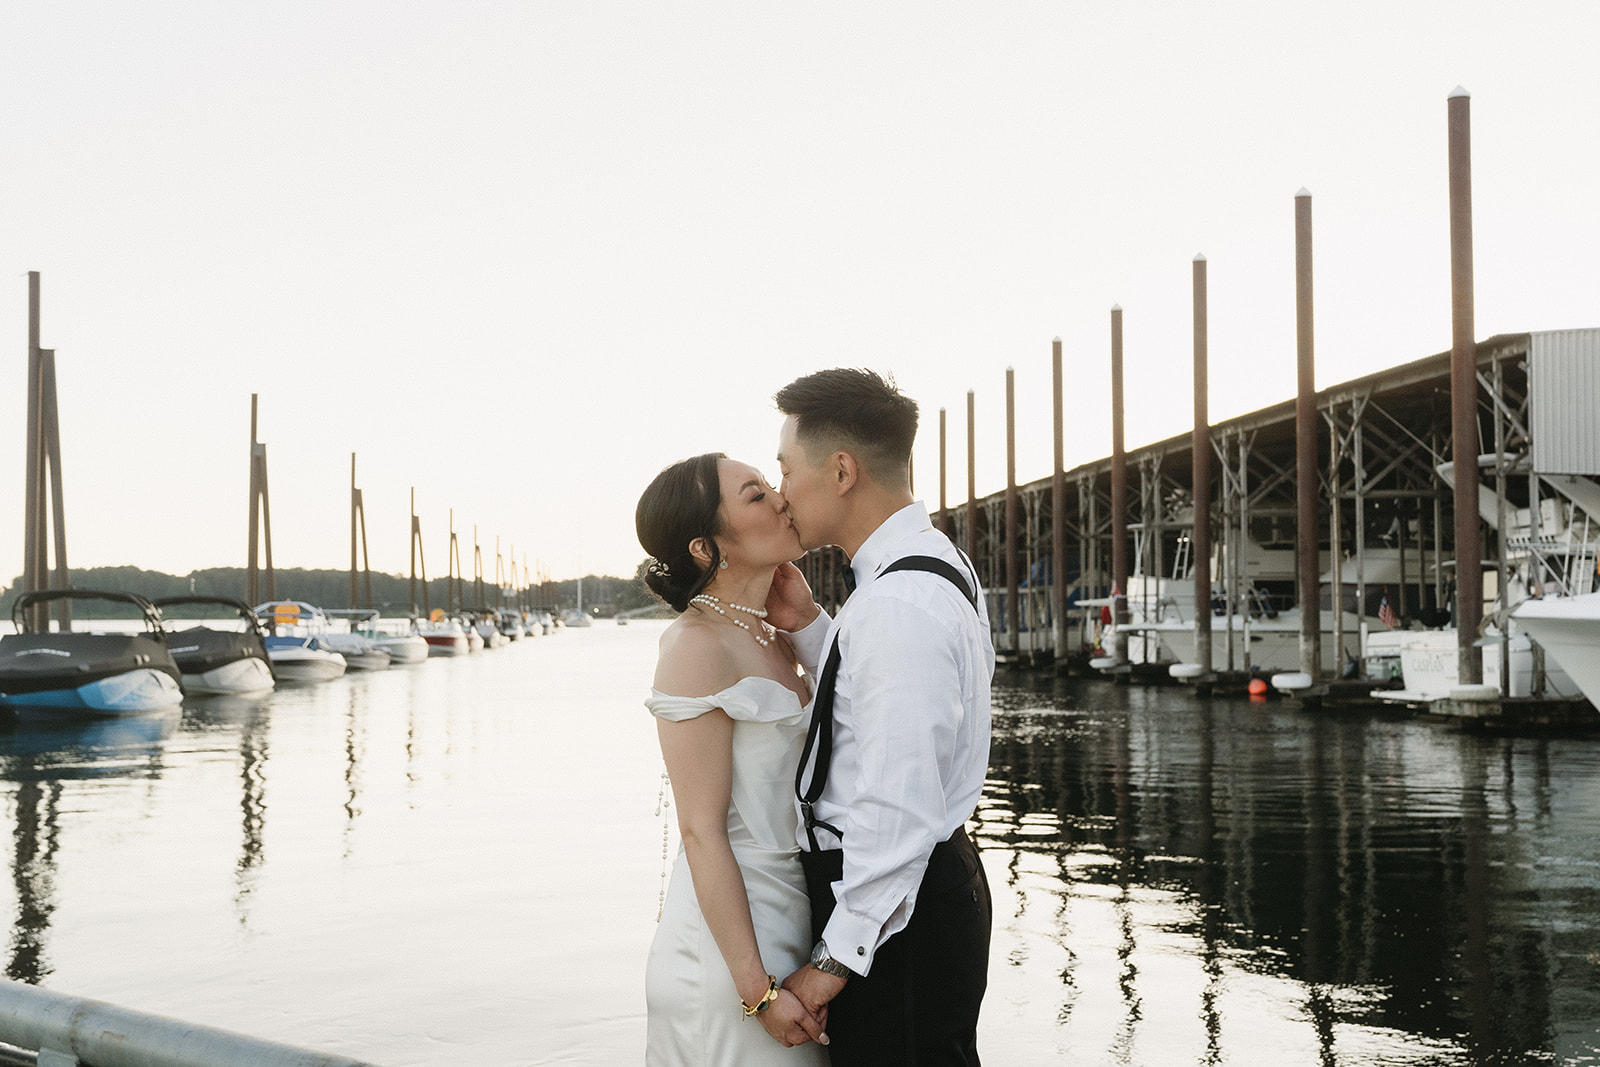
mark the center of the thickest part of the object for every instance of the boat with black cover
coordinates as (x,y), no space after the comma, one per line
(219,660)
(90,671)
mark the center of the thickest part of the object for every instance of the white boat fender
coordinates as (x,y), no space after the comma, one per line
(1185,670)
(1103,663)
(1291,681)
(1475,692)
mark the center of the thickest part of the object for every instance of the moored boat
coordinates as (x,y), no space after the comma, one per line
(360,650)
(296,642)
(216,660)
(94,672)
(445,636)
(1568,628)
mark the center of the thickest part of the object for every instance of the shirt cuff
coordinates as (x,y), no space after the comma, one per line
(810,642)
(852,940)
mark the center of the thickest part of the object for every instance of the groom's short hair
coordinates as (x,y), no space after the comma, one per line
(855,411)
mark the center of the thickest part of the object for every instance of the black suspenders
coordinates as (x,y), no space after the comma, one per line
(819,738)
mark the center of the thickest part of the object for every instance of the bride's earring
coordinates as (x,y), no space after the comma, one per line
(723,565)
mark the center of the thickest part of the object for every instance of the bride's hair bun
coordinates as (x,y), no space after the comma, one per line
(682,503)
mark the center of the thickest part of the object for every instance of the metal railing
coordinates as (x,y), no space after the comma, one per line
(73,1031)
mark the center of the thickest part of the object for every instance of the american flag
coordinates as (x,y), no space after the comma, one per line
(1386,613)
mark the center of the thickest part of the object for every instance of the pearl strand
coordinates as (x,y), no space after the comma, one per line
(757,612)
(716,605)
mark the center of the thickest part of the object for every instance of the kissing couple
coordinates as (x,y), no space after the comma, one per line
(827,905)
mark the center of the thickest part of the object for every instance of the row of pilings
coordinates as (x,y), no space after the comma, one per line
(1044,549)
(44,520)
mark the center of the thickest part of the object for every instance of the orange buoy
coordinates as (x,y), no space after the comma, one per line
(1258,687)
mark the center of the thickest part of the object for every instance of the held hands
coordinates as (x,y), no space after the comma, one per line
(789,602)
(790,1024)
(814,989)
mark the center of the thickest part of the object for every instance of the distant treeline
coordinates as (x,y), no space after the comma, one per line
(391,593)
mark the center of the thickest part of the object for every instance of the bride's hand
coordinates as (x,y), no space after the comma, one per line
(789,1024)
(789,602)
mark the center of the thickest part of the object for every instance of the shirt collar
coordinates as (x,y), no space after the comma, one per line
(876,552)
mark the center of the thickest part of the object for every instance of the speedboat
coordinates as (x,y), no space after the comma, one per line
(399,638)
(297,642)
(1568,628)
(445,636)
(95,672)
(510,623)
(475,641)
(219,660)
(485,627)
(360,651)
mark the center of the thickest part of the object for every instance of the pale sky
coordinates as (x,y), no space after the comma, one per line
(522,255)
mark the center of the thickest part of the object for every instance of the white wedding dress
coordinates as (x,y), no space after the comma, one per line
(693,1008)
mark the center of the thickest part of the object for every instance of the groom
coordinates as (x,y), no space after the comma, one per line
(899,743)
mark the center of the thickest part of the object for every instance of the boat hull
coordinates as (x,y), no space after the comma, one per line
(98,673)
(128,693)
(247,675)
(1568,628)
(403,649)
(302,660)
(221,661)
(1430,668)
(447,644)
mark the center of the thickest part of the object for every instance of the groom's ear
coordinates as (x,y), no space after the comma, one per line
(846,472)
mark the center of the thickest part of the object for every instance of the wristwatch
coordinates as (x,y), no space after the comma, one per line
(826,963)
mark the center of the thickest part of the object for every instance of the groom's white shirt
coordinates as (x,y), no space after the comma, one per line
(911,728)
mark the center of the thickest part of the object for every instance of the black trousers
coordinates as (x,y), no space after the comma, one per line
(919,1006)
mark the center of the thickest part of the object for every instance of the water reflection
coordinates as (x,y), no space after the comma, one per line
(1390,889)
(38,756)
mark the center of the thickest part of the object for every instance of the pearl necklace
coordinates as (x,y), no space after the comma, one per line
(716,605)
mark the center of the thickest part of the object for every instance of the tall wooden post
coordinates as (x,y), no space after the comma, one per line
(44,508)
(358,539)
(972,484)
(1119,481)
(453,588)
(944,507)
(1013,614)
(1307,540)
(33,460)
(51,421)
(1464,395)
(1058,515)
(1200,471)
(477,567)
(418,557)
(260,517)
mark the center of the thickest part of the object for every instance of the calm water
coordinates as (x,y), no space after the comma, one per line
(460,863)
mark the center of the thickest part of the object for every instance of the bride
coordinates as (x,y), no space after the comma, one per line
(731,711)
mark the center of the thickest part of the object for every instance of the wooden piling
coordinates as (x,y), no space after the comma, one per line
(50,420)
(1058,514)
(32,535)
(1464,394)
(1013,615)
(1307,541)
(418,556)
(358,540)
(1119,480)
(1200,471)
(944,480)
(260,517)
(477,566)
(972,482)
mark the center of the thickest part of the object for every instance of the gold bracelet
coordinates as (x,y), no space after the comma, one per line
(751,1010)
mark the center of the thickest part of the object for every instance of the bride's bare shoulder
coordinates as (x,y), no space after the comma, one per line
(693,659)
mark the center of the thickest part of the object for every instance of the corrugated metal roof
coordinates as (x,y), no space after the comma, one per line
(1564,401)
